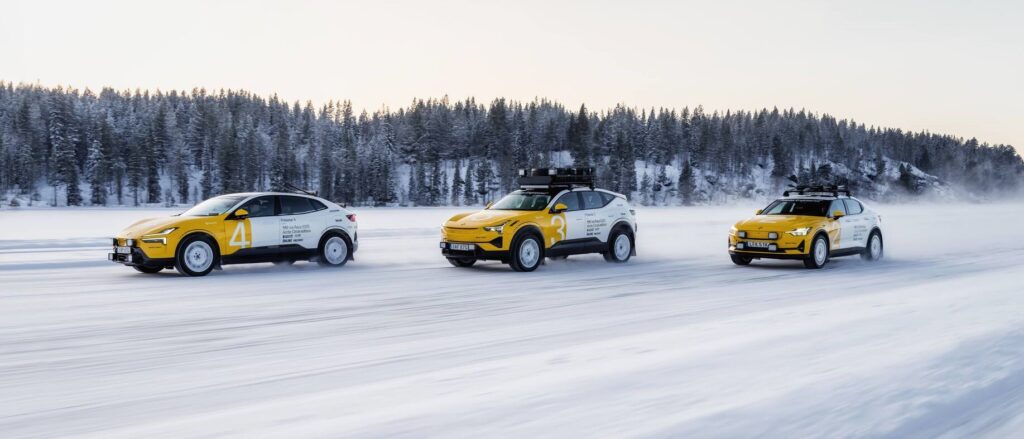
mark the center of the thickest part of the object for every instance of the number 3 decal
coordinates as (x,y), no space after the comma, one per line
(238,238)
(558,221)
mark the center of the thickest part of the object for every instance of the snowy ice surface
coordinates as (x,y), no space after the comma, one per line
(676,343)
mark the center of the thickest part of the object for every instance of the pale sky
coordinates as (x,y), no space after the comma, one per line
(945,66)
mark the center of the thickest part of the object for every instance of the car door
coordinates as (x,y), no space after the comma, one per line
(845,237)
(573,217)
(296,222)
(859,223)
(596,218)
(260,230)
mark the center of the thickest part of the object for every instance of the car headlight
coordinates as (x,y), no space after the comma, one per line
(800,232)
(165,231)
(498,228)
(160,240)
(742,234)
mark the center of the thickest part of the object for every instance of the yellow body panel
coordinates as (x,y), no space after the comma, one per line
(759,227)
(231,235)
(469,227)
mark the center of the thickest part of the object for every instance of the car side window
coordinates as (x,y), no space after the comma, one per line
(316,204)
(295,205)
(592,200)
(570,200)
(608,198)
(837,205)
(853,207)
(259,206)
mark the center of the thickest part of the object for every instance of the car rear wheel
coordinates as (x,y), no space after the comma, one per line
(620,247)
(741,260)
(196,256)
(819,253)
(462,262)
(147,270)
(527,252)
(875,249)
(335,251)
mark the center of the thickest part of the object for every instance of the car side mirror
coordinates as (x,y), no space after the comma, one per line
(489,204)
(838,214)
(240,214)
(758,211)
(559,208)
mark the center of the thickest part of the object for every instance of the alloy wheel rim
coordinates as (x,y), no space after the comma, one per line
(198,256)
(529,253)
(876,247)
(621,247)
(819,252)
(335,250)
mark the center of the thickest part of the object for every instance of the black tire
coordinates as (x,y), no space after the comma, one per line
(526,247)
(615,253)
(147,270)
(869,253)
(192,266)
(815,259)
(462,262)
(329,254)
(741,260)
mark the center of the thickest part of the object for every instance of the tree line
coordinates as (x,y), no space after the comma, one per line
(66,146)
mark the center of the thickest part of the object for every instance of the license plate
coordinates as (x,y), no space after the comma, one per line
(462,247)
(122,250)
(758,244)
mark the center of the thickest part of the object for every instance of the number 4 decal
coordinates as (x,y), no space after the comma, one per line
(238,238)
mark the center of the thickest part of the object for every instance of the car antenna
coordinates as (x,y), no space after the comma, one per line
(296,189)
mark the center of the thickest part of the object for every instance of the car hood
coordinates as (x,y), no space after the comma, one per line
(153,225)
(779,223)
(485,218)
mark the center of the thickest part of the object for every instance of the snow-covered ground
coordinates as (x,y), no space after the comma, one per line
(677,343)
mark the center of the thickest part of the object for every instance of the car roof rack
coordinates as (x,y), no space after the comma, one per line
(818,191)
(297,190)
(556,178)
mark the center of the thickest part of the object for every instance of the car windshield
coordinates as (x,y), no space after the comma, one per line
(214,206)
(798,207)
(522,200)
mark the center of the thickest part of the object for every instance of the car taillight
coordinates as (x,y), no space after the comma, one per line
(351,217)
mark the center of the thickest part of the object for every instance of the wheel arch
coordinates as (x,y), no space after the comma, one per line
(628,228)
(336,231)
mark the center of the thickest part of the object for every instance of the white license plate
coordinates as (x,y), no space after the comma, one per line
(462,247)
(758,244)
(123,250)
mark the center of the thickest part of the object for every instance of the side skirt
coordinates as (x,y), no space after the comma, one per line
(846,252)
(577,247)
(274,253)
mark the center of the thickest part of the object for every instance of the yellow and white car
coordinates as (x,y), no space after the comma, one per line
(555,213)
(811,224)
(240,228)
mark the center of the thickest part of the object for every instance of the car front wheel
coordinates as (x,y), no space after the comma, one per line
(196,256)
(527,252)
(462,262)
(819,253)
(741,260)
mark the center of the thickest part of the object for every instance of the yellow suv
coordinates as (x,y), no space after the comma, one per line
(555,213)
(811,224)
(240,228)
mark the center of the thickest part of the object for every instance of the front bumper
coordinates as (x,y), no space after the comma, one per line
(136,257)
(783,248)
(477,252)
